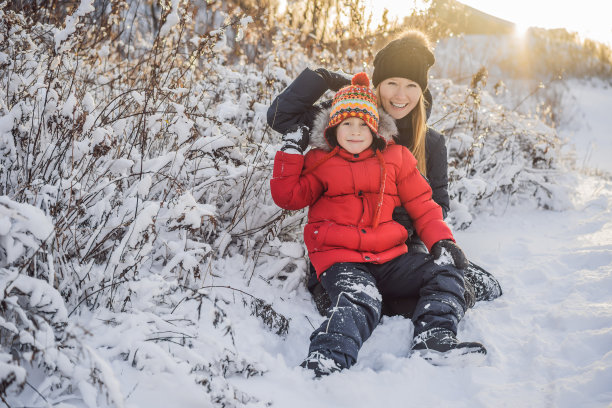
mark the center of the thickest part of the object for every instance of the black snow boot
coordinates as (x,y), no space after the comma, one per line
(320,364)
(486,287)
(441,347)
(469,295)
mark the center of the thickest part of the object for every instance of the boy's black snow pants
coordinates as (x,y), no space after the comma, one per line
(356,291)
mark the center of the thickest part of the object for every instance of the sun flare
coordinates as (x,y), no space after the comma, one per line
(520,30)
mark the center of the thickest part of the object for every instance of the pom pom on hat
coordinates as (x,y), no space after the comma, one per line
(361,78)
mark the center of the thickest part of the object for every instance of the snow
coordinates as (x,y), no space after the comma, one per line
(11,371)
(243,25)
(21,226)
(71,22)
(144,185)
(292,249)
(108,376)
(88,102)
(171,20)
(196,301)
(370,290)
(40,295)
(445,258)
(68,107)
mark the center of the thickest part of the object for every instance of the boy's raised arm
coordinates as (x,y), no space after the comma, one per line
(290,190)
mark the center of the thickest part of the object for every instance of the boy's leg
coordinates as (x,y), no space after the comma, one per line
(440,289)
(355,312)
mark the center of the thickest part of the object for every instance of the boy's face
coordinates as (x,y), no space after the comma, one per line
(354,135)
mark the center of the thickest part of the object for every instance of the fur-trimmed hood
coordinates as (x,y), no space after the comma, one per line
(386,128)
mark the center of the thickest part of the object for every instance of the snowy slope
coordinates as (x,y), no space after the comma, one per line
(549,336)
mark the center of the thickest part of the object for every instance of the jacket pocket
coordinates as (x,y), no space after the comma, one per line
(314,235)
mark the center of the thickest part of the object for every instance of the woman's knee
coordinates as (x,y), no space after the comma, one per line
(446,279)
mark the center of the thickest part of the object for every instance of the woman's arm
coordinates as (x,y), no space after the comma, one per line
(295,105)
(437,177)
(415,195)
(437,168)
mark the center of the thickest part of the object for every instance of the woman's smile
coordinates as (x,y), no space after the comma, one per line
(399,105)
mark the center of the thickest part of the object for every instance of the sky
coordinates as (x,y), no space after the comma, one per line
(590,18)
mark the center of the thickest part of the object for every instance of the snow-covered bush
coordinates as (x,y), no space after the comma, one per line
(139,175)
(495,155)
(136,223)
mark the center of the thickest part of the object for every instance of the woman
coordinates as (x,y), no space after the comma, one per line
(400,78)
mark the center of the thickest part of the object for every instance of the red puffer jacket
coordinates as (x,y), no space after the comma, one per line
(347,195)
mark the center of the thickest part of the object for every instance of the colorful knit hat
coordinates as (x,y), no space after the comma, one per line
(358,100)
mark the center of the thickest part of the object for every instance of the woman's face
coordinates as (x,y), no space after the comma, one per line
(354,135)
(398,96)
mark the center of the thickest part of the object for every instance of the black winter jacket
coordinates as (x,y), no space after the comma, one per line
(297,104)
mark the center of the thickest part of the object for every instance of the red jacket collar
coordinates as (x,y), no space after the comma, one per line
(366,154)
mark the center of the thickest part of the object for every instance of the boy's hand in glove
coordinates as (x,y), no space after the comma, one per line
(295,141)
(447,252)
(334,79)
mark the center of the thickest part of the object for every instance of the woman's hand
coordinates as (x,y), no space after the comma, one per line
(447,252)
(334,79)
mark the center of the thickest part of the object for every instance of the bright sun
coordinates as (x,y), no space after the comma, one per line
(520,30)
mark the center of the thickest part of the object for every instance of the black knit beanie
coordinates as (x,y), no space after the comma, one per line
(406,57)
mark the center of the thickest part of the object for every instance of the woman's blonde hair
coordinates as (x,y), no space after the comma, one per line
(418,119)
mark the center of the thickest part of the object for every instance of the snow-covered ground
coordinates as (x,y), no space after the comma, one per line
(549,336)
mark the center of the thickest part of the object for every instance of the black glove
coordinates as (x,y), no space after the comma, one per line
(296,139)
(447,248)
(334,79)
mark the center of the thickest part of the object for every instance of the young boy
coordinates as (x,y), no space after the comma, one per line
(351,181)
